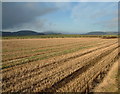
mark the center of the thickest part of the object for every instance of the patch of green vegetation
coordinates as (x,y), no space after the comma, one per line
(110,36)
(58,36)
(45,56)
(41,57)
(40,50)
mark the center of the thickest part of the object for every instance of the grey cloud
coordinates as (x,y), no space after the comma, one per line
(38,25)
(15,14)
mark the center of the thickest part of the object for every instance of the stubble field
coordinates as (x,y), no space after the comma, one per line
(56,64)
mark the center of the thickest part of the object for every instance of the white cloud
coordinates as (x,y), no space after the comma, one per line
(102,15)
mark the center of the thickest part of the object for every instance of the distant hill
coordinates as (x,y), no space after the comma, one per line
(27,33)
(30,32)
(21,33)
(6,33)
(101,33)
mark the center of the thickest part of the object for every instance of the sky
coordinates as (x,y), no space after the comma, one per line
(62,17)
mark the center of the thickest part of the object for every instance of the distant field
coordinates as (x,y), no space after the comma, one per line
(52,63)
(59,36)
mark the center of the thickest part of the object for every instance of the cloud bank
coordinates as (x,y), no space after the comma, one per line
(16,14)
(60,16)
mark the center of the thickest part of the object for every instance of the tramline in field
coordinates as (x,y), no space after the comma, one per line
(56,65)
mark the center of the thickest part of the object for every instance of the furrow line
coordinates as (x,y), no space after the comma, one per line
(72,76)
(82,82)
(53,76)
(52,64)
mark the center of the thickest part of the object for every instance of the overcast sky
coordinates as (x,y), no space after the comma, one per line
(68,17)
